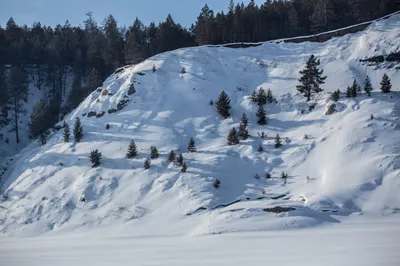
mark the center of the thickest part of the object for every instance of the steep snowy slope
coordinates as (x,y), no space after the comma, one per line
(352,162)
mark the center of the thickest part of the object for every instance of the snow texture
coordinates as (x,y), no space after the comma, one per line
(348,165)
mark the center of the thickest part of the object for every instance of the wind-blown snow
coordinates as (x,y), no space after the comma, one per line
(352,162)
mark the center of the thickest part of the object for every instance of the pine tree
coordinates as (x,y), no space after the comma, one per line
(132,150)
(268,176)
(154,152)
(284,175)
(348,92)
(261,97)
(260,148)
(18,92)
(368,86)
(94,79)
(78,130)
(262,119)
(171,156)
(211,102)
(179,160)
(335,95)
(386,86)
(147,164)
(311,78)
(355,88)
(77,94)
(243,131)
(233,138)
(184,167)
(95,157)
(67,133)
(39,124)
(217,183)
(223,105)
(107,126)
(153,68)
(270,97)
(253,96)
(192,145)
(278,141)
(183,71)
(4,98)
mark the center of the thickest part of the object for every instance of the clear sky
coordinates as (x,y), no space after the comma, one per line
(53,12)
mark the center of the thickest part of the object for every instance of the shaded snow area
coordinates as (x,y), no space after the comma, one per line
(368,243)
(352,162)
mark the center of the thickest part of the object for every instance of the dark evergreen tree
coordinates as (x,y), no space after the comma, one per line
(278,141)
(270,97)
(132,150)
(107,126)
(77,93)
(18,92)
(262,119)
(355,88)
(179,160)
(67,133)
(171,156)
(243,131)
(223,105)
(253,96)
(183,71)
(39,124)
(184,167)
(4,98)
(211,102)
(260,148)
(371,117)
(261,97)
(386,86)
(192,145)
(335,95)
(154,68)
(311,78)
(217,183)
(268,176)
(94,79)
(348,92)
(154,152)
(284,175)
(233,138)
(147,164)
(78,130)
(368,86)
(95,157)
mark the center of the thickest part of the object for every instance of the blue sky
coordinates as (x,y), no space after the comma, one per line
(53,12)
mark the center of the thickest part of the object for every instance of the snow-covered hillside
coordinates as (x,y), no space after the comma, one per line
(352,161)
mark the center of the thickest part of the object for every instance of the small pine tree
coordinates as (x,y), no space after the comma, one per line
(270,97)
(268,176)
(95,157)
(223,105)
(243,131)
(171,156)
(183,71)
(132,150)
(179,160)
(278,141)
(233,138)
(386,86)
(348,92)
(43,138)
(192,145)
(67,133)
(253,96)
(335,95)
(154,152)
(368,86)
(372,117)
(257,177)
(355,88)
(153,68)
(260,148)
(147,164)
(39,122)
(261,97)
(107,126)
(184,167)
(311,78)
(78,130)
(217,183)
(284,175)
(262,119)
(211,102)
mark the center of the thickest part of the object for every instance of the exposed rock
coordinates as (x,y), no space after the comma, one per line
(100,114)
(104,92)
(331,109)
(279,209)
(91,114)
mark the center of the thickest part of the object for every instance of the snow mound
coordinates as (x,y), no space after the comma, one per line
(348,164)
